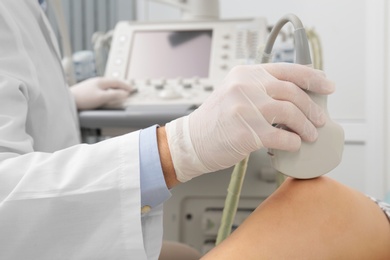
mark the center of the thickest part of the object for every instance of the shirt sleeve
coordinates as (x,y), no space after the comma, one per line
(153,187)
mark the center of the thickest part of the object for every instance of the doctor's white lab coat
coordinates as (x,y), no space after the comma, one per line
(60,199)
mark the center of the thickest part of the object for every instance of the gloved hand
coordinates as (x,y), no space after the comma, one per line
(237,118)
(99,91)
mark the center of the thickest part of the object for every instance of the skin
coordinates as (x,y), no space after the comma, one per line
(310,219)
(303,219)
(165,158)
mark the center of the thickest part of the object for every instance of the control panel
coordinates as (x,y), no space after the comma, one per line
(180,62)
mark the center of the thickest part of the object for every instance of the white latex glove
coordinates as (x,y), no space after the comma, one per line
(99,91)
(237,118)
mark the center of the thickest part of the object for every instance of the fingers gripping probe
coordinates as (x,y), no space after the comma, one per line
(322,156)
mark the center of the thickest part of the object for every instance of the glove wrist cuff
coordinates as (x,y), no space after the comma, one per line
(185,160)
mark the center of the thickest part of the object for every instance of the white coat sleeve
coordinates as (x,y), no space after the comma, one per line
(78,203)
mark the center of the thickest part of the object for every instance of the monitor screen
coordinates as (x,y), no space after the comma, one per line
(170,54)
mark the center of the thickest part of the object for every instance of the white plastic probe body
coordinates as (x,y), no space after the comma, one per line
(313,159)
(323,155)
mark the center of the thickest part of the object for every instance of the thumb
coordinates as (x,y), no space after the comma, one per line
(282,140)
(115,94)
(114,97)
(107,83)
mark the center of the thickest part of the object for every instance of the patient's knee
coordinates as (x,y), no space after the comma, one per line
(303,193)
(336,212)
(311,219)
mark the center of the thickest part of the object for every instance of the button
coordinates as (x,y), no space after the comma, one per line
(224,67)
(196,80)
(179,81)
(169,93)
(224,56)
(118,61)
(148,82)
(208,88)
(145,209)
(122,38)
(115,74)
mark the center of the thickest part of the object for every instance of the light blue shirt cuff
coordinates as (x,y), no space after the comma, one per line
(154,190)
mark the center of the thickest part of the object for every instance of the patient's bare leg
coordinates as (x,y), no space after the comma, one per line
(310,219)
